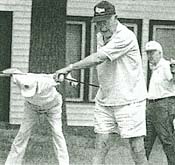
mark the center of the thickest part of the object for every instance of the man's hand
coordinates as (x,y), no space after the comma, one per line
(59,75)
(63,71)
(68,77)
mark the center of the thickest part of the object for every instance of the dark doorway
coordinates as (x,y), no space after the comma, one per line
(5,62)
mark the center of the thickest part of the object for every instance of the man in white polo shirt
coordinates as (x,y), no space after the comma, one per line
(41,97)
(120,101)
(160,112)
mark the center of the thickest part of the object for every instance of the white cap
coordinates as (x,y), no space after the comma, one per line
(27,84)
(153,45)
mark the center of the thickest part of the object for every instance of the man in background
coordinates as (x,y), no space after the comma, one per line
(160,113)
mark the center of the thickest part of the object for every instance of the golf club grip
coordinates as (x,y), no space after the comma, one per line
(82,82)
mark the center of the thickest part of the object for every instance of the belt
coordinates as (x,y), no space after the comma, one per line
(159,99)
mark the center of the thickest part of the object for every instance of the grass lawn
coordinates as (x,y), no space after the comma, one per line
(80,144)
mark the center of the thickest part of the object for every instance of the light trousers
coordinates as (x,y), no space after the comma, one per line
(31,116)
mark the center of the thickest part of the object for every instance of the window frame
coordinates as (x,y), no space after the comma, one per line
(85,50)
(83,37)
(153,24)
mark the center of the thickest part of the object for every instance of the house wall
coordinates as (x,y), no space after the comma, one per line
(77,114)
(130,9)
(20,48)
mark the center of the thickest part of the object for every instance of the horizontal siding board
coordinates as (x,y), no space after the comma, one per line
(80,114)
(18,45)
(19,52)
(22,20)
(23,68)
(80,123)
(17,33)
(16,121)
(145,3)
(22,14)
(19,40)
(128,9)
(21,27)
(19,7)
(21,60)
(17,108)
(80,117)
(17,115)
(20,64)
(16,2)
(16,99)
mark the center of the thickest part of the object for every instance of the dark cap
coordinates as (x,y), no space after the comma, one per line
(103,10)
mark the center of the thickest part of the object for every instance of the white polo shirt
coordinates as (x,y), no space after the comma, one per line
(160,85)
(121,76)
(46,94)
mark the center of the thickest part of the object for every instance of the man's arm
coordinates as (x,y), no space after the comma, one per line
(91,60)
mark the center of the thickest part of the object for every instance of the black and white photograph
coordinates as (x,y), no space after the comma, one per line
(87,82)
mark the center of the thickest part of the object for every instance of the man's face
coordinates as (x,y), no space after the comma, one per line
(153,56)
(106,27)
(103,26)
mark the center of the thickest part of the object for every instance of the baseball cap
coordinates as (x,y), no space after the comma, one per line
(27,83)
(103,10)
(153,45)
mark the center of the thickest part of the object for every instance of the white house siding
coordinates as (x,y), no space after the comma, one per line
(20,48)
(77,114)
(133,9)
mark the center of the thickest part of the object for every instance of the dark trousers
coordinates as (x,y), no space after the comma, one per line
(159,120)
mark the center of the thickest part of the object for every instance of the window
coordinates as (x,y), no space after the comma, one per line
(75,51)
(164,33)
(77,47)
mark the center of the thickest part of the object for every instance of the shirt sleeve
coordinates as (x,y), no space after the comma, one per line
(14,78)
(119,45)
(17,79)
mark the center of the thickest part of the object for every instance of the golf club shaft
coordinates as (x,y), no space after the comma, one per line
(9,75)
(82,82)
